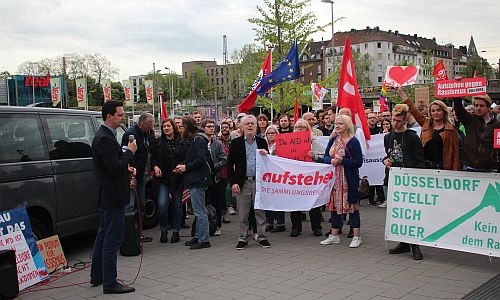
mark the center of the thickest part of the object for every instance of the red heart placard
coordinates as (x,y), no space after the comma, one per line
(401,75)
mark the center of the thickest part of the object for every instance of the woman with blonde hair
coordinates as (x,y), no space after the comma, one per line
(344,153)
(439,137)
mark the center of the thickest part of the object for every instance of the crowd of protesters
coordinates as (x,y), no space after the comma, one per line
(216,162)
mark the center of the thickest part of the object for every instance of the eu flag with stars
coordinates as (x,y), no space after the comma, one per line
(286,70)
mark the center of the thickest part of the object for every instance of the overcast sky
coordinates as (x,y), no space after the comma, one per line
(134,34)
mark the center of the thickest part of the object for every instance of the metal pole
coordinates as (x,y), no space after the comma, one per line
(216,107)
(33,85)
(172,95)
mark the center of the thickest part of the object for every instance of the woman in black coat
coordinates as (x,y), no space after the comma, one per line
(167,154)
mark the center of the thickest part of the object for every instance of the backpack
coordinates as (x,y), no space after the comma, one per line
(212,221)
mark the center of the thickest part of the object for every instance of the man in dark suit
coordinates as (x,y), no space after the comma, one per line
(144,135)
(111,166)
(241,173)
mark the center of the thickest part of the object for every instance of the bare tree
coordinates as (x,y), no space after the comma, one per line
(100,67)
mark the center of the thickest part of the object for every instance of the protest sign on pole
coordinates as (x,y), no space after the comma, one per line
(460,88)
(422,97)
(376,106)
(444,209)
(290,185)
(128,96)
(294,145)
(397,76)
(16,234)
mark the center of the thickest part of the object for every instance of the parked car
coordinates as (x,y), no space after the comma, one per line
(46,166)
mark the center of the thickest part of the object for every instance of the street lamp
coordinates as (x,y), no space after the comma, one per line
(331,3)
(171,84)
(333,42)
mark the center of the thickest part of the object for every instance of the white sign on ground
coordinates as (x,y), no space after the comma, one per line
(444,209)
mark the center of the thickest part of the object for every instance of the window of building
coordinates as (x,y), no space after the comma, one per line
(379,79)
(217,81)
(222,71)
(358,48)
(379,67)
(304,57)
(366,46)
(379,45)
(379,56)
(318,56)
(319,69)
(388,56)
(21,139)
(70,137)
(212,72)
(342,49)
(394,56)
(222,80)
(302,70)
(319,78)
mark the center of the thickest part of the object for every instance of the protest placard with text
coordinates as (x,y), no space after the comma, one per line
(444,209)
(52,253)
(460,88)
(294,145)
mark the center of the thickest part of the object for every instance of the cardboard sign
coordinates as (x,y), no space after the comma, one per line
(376,106)
(294,145)
(52,253)
(422,97)
(16,234)
(397,76)
(460,88)
(496,140)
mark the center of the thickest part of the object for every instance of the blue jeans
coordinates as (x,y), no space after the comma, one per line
(141,193)
(107,243)
(200,212)
(163,203)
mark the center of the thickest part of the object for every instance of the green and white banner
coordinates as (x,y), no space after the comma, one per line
(444,209)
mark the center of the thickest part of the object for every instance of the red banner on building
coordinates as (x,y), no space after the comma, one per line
(460,88)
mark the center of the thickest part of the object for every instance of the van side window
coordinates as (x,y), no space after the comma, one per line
(120,131)
(69,136)
(21,139)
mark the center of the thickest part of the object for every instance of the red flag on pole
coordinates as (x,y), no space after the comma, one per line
(440,71)
(348,95)
(164,113)
(296,112)
(249,101)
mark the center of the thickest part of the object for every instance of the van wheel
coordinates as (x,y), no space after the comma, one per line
(150,213)
(38,228)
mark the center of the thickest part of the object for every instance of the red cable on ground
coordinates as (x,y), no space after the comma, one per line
(42,284)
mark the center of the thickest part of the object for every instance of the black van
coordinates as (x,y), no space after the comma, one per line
(46,166)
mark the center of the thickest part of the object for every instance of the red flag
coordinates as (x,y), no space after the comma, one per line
(164,113)
(348,95)
(249,101)
(440,71)
(296,112)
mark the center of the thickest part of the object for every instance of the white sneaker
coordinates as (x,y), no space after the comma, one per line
(356,241)
(383,205)
(231,210)
(217,232)
(332,239)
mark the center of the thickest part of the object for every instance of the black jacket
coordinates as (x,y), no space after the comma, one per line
(167,155)
(478,151)
(237,162)
(143,141)
(110,167)
(413,152)
(197,169)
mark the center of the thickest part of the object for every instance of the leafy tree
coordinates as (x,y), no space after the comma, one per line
(281,23)
(480,65)
(4,75)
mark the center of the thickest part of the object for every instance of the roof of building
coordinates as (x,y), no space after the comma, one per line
(376,34)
